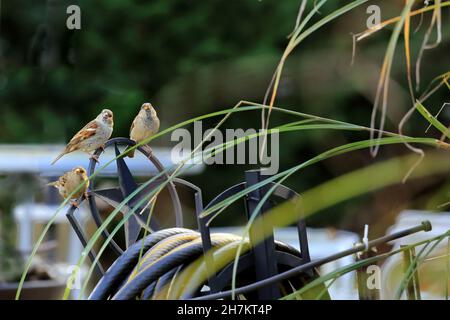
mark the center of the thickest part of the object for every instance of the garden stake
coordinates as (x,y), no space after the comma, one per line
(362,276)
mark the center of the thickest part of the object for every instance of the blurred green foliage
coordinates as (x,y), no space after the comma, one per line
(193,57)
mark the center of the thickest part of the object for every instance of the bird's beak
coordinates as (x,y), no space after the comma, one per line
(146,106)
(80,170)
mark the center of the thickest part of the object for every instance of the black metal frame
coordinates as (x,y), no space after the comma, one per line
(360,247)
(262,257)
(263,254)
(114,196)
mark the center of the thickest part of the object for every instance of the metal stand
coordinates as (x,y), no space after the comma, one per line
(264,265)
(114,196)
(263,258)
(263,251)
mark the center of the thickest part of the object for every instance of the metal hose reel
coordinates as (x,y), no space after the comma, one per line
(164,277)
(178,263)
(127,185)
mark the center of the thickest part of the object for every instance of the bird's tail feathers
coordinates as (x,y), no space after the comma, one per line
(53,184)
(58,157)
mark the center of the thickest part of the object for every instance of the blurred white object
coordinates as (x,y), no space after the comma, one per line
(37,159)
(27,215)
(322,243)
(392,268)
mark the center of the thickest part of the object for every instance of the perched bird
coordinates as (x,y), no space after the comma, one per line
(70,181)
(144,126)
(92,136)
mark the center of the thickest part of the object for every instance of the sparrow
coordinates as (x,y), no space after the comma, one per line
(144,126)
(92,136)
(70,181)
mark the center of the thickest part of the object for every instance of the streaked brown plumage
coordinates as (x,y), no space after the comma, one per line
(92,136)
(70,181)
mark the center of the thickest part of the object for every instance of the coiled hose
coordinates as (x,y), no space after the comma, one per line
(172,266)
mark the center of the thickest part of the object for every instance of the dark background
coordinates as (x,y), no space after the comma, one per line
(194,57)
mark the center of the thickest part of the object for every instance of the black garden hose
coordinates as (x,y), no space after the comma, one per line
(163,247)
(182,254)
(122,267)
(158,250)
(223,257)
(151,292)
(172,266)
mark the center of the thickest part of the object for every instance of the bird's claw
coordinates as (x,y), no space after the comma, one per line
(94,157)
(75,204)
